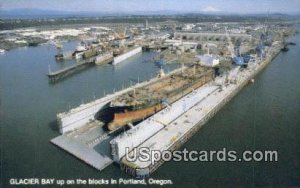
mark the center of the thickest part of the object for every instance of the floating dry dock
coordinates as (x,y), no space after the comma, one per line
(175,131)
(83,136)
(85,113)
(168,129)
(57,75)
(126,55)
(98,60)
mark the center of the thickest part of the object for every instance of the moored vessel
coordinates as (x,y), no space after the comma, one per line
(142,102)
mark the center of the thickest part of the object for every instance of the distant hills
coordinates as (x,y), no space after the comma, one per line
(40,13)
(28,13)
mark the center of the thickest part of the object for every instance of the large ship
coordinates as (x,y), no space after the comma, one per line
(142,102)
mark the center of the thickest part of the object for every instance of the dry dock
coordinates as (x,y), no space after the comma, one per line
(168,129)
(126,55)
(83,136)
(57,75)
(178,130)
(85,113)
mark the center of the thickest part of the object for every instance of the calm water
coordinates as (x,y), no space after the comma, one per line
(263,116)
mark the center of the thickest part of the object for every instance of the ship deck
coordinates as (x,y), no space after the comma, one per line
(160,90)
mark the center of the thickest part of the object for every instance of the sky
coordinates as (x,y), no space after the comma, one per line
(211,6)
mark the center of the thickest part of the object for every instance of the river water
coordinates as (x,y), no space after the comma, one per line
(263,116)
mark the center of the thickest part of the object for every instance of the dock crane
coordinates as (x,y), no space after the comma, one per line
(237,59)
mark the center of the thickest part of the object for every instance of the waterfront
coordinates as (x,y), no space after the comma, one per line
(262,116)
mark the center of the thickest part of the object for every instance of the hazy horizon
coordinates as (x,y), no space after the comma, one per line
(200,6)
